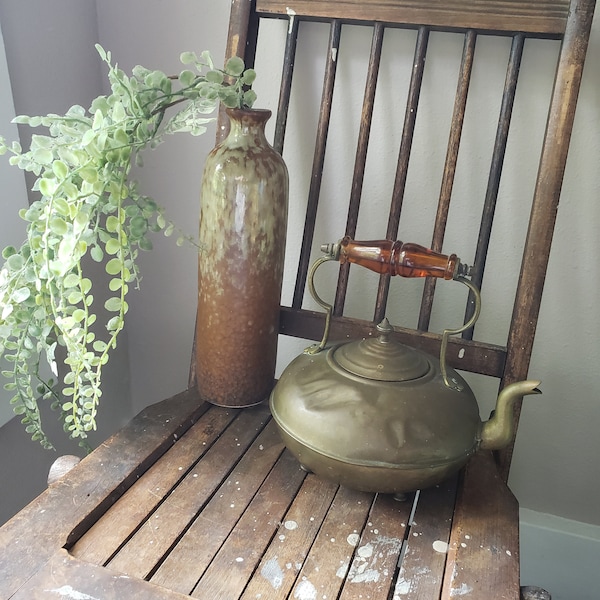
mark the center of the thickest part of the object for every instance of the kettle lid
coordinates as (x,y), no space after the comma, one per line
(382,358)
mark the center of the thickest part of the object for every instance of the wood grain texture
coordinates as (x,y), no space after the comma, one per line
(374,567)
(122,519)
(424,555)
(66,509)
(194,551)
(484,543)
(65,576)
(145,549)
(533,16)
(283,559)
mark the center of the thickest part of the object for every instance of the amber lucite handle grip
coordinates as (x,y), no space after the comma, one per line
(396,258)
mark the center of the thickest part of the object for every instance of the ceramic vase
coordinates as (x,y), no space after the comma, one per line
(243,221)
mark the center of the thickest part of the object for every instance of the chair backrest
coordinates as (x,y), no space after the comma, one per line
(420,20)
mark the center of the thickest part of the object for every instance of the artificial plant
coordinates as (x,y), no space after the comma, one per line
(87,205)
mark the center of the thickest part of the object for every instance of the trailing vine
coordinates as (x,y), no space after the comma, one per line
(88,206)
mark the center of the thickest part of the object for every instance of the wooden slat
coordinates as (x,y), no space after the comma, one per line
(533,16)
(456,126)
(283,559)
(426,544)
(145,549)
(491,194)
(238,558)
(545,201)
(484,543)
(375,565)
(289,59)
(360,160)
(408,130)
(323,572)
(318,160)
(466,355)
(121,520)
(189,558)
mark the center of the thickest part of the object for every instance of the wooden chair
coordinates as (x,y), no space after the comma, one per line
(226,512)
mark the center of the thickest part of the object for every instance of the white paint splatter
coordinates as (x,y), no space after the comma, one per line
(402,588)
(353,539)
(239,559)
(66,591)
(463,590)
(343,569)
(366,565)
(305,591)
(272,572)
(440,546)
(291,525)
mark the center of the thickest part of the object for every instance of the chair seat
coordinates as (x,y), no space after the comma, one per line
(195,500)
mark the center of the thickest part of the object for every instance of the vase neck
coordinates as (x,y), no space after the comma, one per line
(247,122)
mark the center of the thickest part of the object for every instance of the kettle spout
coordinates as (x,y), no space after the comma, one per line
(499,430)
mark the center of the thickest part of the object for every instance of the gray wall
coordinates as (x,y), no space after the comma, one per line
(555,468)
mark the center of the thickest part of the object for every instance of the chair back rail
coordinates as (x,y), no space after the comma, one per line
(567,21)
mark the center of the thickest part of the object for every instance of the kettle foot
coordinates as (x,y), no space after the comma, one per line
(400,496)
(305,468)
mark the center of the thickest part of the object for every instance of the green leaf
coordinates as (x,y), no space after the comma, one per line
(8,251)
(112,224)
(101,52)
(114,266)
(112,246)
(47,187)
(249,98)
(43,156)
(234,66)
(75,297)
(58,226)
(78,315)
(113,304)
(71,280)
(21,295)
(99,346)
(186,78)
(188,58)
(115,284)
(15,262)
(85,285)
(96,253)
(214,77)
(145,244)
(60,169)
(61,206)
(248,77)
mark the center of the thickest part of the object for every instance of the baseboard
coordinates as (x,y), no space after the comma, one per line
(560,555)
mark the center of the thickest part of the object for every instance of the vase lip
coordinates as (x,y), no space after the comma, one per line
(249,111)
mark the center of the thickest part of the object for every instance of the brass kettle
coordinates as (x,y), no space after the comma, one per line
(379,416)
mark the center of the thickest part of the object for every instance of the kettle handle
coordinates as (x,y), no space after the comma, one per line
(450,381)
(366,254)
(324,305)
